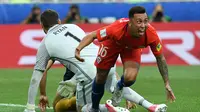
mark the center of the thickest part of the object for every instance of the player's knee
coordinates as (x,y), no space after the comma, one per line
(100,80)
(101,75)
(130,75)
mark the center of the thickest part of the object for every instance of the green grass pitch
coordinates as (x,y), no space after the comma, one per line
(185,81)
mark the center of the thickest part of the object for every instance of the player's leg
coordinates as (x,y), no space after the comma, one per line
(128,93)
(131,63)
(84,99)
(98,87)
(133,96)
(83,95)
(106,59)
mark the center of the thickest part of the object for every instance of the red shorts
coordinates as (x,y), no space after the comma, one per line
(109,52)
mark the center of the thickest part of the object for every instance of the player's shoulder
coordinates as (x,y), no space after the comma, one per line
(70,25)
(151,34)
(121,22)
(118,27)
(151,29)
(73,27)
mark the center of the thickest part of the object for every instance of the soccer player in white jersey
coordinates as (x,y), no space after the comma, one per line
(59,44)
(65,100)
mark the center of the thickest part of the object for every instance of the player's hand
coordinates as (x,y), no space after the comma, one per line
(43,103)
(170,95)
(77,55)
(130,105)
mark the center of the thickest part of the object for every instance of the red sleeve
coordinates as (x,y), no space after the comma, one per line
(154,41)
(113,31)
(156,47)
(104,33)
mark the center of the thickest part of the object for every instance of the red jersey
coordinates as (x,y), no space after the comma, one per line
(118,32)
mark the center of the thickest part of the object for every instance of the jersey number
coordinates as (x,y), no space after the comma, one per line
(103,51)
(72,36)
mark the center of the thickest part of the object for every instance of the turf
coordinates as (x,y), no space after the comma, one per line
(185,81)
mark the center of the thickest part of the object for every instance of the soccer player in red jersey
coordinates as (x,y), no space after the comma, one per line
(125,37)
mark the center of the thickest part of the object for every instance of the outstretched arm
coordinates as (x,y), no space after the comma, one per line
(85,42)
(44,77)
(156,48)
(43,98)
(162,66)
(163,69)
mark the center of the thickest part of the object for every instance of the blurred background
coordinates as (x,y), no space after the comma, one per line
(177,23)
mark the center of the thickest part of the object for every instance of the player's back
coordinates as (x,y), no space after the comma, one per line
(61,42)
(67,36)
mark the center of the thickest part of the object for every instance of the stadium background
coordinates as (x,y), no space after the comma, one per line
(181,44)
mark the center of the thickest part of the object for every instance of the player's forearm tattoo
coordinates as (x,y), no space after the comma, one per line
(162,66)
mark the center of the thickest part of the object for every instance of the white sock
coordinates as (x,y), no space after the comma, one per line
(146,104)
(132,96)
(33,88)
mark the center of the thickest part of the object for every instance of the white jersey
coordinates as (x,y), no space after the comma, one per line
(60,44)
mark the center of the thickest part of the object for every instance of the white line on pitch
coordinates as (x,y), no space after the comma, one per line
(16,105)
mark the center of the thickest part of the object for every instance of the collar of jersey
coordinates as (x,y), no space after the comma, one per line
(53,27)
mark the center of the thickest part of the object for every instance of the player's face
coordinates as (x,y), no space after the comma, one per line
(139,24)
(36,11)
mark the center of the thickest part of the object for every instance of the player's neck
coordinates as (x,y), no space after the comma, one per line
(131,33)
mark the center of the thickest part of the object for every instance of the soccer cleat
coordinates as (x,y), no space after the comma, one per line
(88,108)
(117,96)
(158,108)
(111,108)
(26,110)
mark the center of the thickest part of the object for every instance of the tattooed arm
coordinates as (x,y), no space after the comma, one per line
(156,48)
(162,66)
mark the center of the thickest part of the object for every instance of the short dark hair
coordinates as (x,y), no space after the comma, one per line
(74,6)
(136,10)
(49,18)
(35,7)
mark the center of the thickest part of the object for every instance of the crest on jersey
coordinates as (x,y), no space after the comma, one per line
(158,47)
(103,33)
